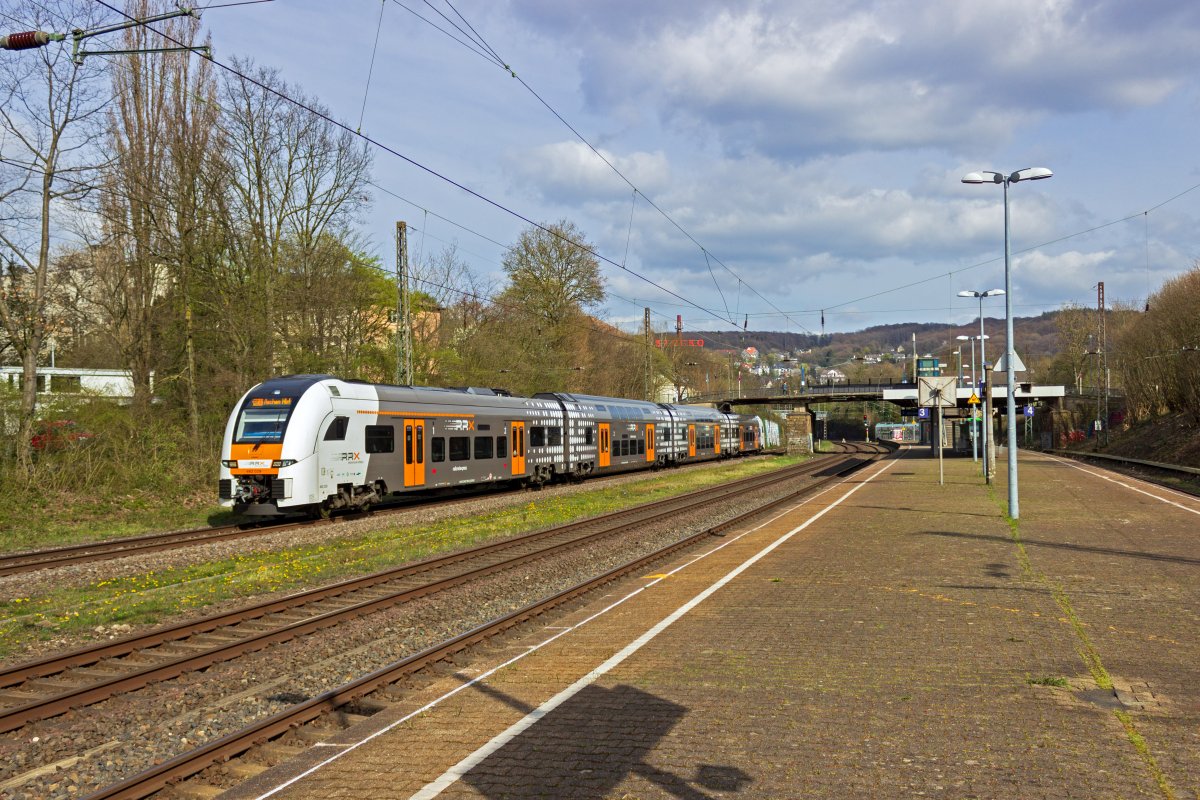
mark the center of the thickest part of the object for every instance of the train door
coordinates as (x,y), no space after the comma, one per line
(518,448)
(716,439)
(741,440)
(605,441)
(650,443)
(414,452)
(692,441)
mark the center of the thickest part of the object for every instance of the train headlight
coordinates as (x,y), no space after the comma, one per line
(287,462)
(228,463)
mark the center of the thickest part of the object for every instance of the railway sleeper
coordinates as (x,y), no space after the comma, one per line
(242,770)
(196,790)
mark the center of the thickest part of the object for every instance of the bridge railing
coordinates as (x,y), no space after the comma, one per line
(808,390)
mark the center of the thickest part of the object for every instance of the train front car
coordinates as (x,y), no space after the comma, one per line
(268,458)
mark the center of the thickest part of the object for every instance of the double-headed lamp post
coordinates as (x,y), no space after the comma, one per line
(989,465)
(987,176)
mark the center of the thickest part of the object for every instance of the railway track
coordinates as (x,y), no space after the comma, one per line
(52,558)
(1137,463)
(45,688)
(320,717)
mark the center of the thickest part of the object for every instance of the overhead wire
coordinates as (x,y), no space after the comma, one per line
(423,167)
(504,65)
(687,302)
(371,68)
(474,48)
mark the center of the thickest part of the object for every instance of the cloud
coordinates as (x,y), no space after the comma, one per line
(788,78)
(572,172)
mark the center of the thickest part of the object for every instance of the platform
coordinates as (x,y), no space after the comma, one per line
(890,638)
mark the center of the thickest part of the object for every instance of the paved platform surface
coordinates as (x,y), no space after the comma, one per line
(892,638)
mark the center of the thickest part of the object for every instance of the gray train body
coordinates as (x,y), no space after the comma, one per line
(312,443)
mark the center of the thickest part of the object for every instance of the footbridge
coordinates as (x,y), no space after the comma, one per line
(800,417)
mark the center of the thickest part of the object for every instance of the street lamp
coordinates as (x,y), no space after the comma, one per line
(987,176)
(974,389)
(989,464)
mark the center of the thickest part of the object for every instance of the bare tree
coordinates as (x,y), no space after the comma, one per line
(293,180)
(49,120)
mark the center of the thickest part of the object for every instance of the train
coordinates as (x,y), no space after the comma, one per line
(901,432)
(312,444)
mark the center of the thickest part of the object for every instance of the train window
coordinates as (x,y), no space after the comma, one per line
(336,432)
(641,443)
(588,435)
(501,447)
(537,436)
(381,439)
(460,448)
(421,443)
(554,436)
(483,447)
(408,444)
(437,448)
(260,424)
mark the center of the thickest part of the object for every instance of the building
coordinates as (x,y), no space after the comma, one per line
(112,383)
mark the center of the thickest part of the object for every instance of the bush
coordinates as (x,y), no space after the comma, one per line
(135,472)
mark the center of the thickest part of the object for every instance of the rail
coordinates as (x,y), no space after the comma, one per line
(1121,459)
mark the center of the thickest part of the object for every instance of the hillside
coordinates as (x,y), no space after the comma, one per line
(1035,337)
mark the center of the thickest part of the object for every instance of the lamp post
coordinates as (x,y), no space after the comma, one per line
(961,367)
(974,388)
(989,463)
(987,176)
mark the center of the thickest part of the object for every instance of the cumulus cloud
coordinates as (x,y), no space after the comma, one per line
(787,78)
(571,171)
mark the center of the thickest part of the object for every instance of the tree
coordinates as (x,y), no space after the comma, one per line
(553,271)
(49,114)
(1158,356)
(293,179)
(554,277)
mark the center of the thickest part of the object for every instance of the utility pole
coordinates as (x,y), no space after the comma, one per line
(989,434)
(914,358)
(649,355)
(1102,362)
(404,370)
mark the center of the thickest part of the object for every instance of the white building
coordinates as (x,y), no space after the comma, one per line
(114,383)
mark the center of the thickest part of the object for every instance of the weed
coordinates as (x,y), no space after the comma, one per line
(1047,681)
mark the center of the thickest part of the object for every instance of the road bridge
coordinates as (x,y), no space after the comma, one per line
(800,417)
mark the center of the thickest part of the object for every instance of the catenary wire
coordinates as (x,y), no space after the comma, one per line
(427,169)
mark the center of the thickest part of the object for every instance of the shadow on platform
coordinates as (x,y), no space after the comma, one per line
(589,745)
(1079,548)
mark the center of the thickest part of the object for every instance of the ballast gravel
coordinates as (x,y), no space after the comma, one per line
(87,749)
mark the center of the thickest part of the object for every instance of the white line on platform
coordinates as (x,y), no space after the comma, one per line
(450,776)
(349,748)
(1131,487)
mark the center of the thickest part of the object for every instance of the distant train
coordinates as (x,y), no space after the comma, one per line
(903,433)
(314,443)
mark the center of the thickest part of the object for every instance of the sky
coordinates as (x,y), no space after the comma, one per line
(789,158)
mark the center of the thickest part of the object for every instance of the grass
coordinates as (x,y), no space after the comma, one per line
(1047,681)
(153,597)
(31,522)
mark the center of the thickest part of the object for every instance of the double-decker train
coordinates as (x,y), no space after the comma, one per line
(314,443)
